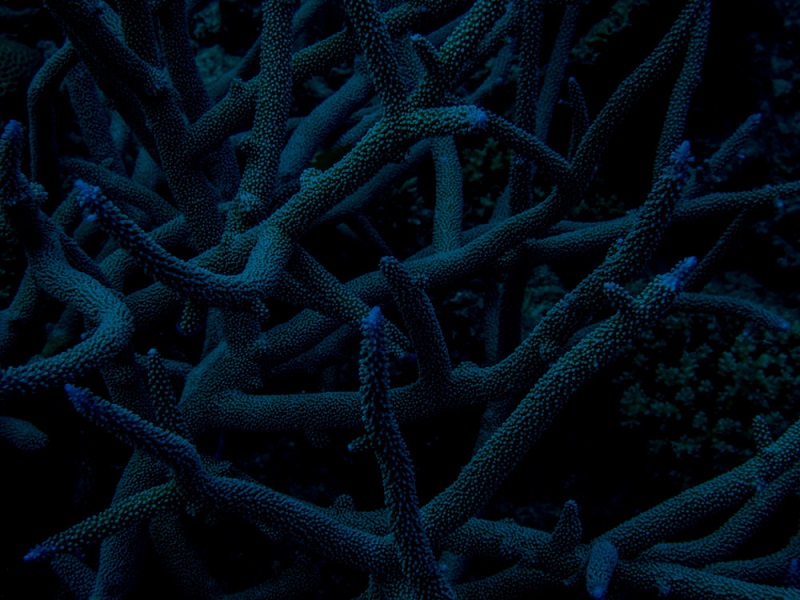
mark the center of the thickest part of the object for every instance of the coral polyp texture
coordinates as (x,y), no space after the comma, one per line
(416,300)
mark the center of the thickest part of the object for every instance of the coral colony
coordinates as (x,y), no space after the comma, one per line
(423,300)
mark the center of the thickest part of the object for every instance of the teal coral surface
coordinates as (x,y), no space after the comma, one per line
(437,299)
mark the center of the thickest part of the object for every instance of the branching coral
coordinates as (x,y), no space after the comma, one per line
(207,262)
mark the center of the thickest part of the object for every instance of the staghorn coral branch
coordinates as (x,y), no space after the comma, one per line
(256,205)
